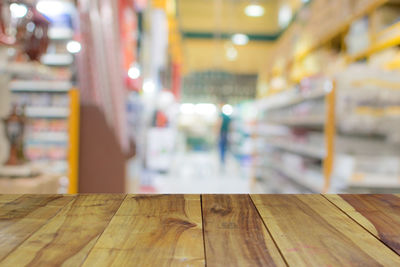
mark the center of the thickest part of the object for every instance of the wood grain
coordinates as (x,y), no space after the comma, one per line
(158,230)
(8,198)
(67,237)
(167,230)
(22,215)
(380,214)
(311,231)
(234,233)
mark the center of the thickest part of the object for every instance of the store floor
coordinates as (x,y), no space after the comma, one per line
(199,172)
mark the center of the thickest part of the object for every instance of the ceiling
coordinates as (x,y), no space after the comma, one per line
(203,55)
(206,27)
(226,16)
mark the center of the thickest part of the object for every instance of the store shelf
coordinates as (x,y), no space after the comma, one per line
(372,5)
(47,112)
(377,183)
(51,137)
(277,101)
(51,166)
(57,59)
(390,41)
(302,149)
(28,69)
(40,86)
(297,177)
(60,34)
(312,120)
(335,120)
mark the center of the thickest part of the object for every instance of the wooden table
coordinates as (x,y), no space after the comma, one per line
(194,230)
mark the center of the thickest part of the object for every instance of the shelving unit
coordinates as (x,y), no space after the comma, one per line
(341,21)
(40,86)
(302,149)
(312,120)
(317,164)
(47,112)
(57,60)
(51,104)
(299,178)
(344,167)
(385,39)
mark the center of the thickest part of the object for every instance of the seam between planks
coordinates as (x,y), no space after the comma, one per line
(266,227)
(359,223)
(202,229)
(44,224)
(102,232)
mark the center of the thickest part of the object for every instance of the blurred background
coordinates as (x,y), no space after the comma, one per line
(189,96)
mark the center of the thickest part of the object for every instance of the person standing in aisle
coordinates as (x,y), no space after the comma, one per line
(225,121)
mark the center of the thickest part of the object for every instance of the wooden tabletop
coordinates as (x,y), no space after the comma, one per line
(198,230)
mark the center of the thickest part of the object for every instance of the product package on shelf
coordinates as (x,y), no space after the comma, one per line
(368,122)
(358,37)
(368,101)
(363,174)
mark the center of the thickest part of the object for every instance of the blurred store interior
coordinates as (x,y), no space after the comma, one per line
(210,96)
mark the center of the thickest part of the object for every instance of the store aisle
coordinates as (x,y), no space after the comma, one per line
(199,172)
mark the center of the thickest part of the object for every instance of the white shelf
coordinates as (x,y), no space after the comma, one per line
(28,69)
(49,136)
(40,86)
(25,170)
(297,177)
(312,120)
(375,185)
(47,112)
(290,98)
(57,59)
(302,149)
(58,33)
(377,181)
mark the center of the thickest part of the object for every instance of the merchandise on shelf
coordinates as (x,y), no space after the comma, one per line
(42,88)
(368,101)
(358,37)
(350,131)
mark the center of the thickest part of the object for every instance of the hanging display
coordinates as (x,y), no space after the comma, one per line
(21,25)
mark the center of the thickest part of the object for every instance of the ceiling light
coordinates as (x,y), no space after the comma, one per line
(284,16)
(227,109)
(231,53)
(240,39)
(74,47)
(134,72)
(18,10)
(254,10)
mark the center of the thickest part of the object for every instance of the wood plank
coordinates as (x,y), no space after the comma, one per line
(22,215)
(67,237)
(311,231)
(234,233)
(379,214)
(8,198)
(152,230)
